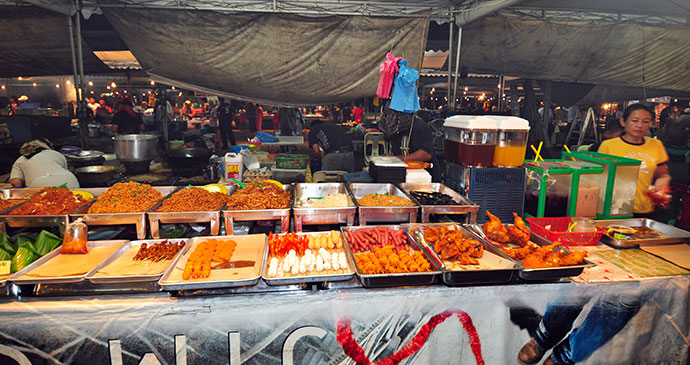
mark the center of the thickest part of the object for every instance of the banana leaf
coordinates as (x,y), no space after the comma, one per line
(4,255)
(22,238)
(25,255)
(46,242)
(7,244)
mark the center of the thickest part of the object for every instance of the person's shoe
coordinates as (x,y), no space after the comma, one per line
(530,353)
(549,361)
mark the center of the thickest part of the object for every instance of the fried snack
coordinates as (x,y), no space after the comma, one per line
(51,201)
(495,230)
(212,250)
(259,196)
(518,232)
(450,244)
(126,197)
(193,199)
(384,200)
(385,260)
(9,203)
(158,251)
(552,256)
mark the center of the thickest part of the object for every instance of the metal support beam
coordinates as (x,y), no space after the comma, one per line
(450,58)
(514,104)
(457,64)
(546,120)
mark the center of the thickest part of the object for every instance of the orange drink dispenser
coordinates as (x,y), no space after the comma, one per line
(511,141)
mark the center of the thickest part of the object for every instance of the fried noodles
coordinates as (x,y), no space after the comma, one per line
(51,201)
(126,197)
(259,196)
(193,199)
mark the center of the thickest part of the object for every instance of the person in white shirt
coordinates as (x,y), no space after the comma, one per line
(93,105)
(40,166)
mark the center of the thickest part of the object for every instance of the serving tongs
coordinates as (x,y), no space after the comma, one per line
(420,238)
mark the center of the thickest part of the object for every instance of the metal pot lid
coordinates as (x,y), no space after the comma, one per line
(95,169)
(85,154)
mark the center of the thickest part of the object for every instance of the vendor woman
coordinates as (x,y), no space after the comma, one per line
(40,166)
(653,175)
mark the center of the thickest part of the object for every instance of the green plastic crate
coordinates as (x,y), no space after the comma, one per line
(292,161)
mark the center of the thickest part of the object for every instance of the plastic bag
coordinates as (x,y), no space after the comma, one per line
(266,138)
(76,238)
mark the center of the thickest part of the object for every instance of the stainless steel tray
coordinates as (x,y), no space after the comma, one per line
(397,279)
(169,281)
(18,279)
(383,214)
(230,216)
(673,234)
(110,219)
(306,279)
(156,218)
(545,273)
(306,215)
(471,276)
(29,220)
(134,278)
(465,206)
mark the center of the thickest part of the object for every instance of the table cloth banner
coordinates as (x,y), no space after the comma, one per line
(269,58)
(301,327)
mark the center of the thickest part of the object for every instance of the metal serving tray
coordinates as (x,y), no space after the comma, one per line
(230,216)
(93,276)
(471,275)
(673,234)
(172,280)
(306,279)
(20,279)
(545,273)
(383,214)
(156,218)
(110,219)
(397,279)
(466,206)
(306,215)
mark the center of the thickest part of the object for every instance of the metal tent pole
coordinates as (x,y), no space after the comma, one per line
(84,113)
(457,63)
(74,57)
(450,54)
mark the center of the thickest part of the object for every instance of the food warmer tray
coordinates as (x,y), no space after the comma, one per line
(230,216)
(383,214)
(18,278)
(397,279)
(466,206)
(28,220)
(544,273)
(674,235)
(157,218)
(168,282)
(306,215)
(116,279)
(110,219)
(470,276)
(307,279)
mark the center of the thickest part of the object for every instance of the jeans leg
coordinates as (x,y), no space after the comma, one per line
(607,317)
(556,323)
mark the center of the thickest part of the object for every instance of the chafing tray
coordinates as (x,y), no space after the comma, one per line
(156,218)
(249,247)
(95,277)
(670,234)
(383,214)
(110,219)
(230,216)
(545,273)
(306,215)
(465,206)
(306,278)
(397,279)
(20,277)
(503,270)
(29,220)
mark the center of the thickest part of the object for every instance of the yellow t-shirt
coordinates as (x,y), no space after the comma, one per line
(652,154)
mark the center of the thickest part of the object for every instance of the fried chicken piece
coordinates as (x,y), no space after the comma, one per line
(495,230)
(519,234)
(573,258)
(521,253)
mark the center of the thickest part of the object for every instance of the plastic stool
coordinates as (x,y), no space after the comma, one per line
(376,140)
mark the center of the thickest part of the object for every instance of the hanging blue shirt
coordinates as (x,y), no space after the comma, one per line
(405,98)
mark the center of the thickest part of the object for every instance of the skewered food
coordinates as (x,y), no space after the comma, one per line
(384,200)
(158,251)
(259,196)
(51,201)
(193,199)
(450,244)
(433,198)
(199,264)
(307,254)
(126,197)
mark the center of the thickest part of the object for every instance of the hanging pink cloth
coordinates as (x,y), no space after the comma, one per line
(387,69)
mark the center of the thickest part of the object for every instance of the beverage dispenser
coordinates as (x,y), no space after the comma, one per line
(511,141)
(475,138)
(548,189)
(585,191)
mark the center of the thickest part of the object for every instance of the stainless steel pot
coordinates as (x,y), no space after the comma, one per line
(135,147)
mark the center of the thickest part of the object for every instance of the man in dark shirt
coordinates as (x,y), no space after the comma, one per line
(225,115)
(126,120)
(336,146)
(421,146)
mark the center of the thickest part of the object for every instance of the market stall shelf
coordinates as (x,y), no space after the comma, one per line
(331,274)
(656,233)
(157,218)
(58,268)
(493,266)
(307,195)
(109,219)
(392,279)
(122,267)
(243,269)
(230,216)
(388,214)
(464,205)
